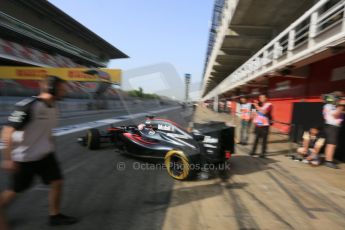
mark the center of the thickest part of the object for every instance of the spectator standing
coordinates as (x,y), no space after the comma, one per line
(228,105)
(246,118)
(262,122)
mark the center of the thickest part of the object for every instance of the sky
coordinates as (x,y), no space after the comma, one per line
(173,32)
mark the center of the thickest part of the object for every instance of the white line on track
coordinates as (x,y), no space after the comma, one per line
(65,130)
(96,124)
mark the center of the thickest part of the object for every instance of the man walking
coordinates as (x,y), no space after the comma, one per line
(29,147)
(3,225)
(246,116)
(262,121)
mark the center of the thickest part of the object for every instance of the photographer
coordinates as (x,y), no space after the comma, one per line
(262,121)
(333,113)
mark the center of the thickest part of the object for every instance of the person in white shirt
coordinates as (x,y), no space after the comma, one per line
(333,113)
(246,119)
(229,106)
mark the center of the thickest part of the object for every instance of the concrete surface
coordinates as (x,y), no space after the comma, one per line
(272,193)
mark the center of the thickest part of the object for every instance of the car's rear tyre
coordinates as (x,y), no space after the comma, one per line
(93,139)
(178,165)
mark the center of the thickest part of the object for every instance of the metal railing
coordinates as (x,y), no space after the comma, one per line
(306,35)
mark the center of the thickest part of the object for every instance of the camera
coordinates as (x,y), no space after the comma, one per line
(333,99)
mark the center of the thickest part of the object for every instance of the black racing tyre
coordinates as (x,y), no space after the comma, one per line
(93,139)
(178,165)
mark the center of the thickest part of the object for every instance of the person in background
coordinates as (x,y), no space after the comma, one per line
(333,113)
(262,122)
(246,117)
(312,144)
(31,153)
(221,107)
(228,105)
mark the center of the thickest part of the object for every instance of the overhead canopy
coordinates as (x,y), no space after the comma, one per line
(253,24)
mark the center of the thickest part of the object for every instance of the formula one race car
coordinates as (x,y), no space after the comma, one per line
(183,152)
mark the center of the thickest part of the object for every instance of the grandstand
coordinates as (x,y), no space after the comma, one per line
(36,33)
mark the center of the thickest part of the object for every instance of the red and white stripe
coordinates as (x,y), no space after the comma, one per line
(10,49)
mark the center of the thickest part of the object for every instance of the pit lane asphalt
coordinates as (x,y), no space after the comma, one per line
(98,189)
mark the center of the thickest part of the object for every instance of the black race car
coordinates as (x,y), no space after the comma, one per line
(184,153)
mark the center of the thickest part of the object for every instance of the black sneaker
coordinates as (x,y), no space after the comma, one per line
(61,219)
(252,154)
(262,156)
(330,164)
(297,158)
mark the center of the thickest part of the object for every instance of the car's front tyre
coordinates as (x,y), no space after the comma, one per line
(93,139)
